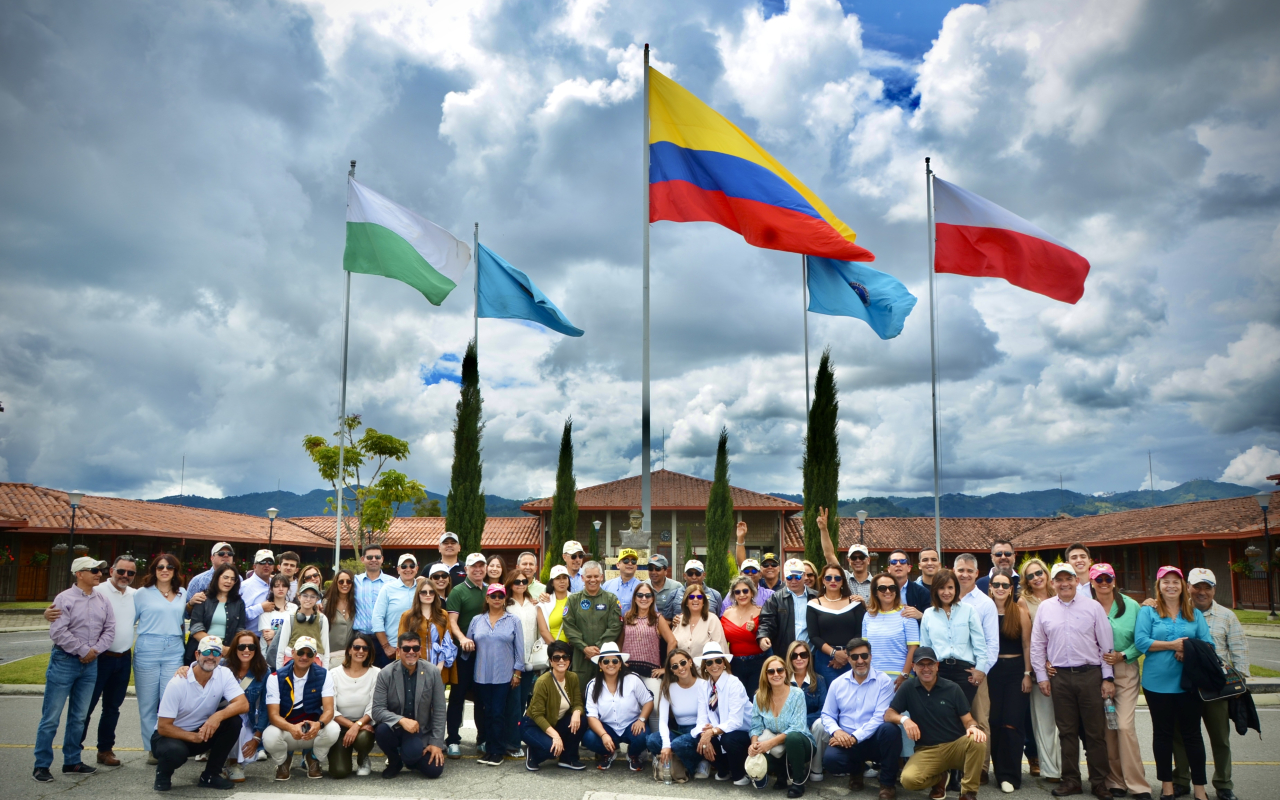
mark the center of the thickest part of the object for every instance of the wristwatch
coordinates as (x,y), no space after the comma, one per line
(1113,680)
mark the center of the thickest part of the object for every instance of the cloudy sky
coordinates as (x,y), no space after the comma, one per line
(173,234)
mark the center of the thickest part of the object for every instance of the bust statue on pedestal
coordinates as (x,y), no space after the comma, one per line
(633,536)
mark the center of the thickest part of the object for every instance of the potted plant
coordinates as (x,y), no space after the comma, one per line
(80,549)
(60,548)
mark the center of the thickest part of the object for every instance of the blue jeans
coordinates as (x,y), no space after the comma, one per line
(493,696)
(883,747)
(636,743)
(747,670)
(517,702)
(684,746)
(65,680)
(155,659)
(822,665)
(111,687)
(539,743)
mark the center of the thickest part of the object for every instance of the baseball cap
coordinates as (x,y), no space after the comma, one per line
(405,557)
(659,560)
(447,535)
(925,654)
(1201,575)
(212,646)
(475,558)
(438,567)
(220,546)
(794,566)
(495,588)
(1101,568)
(859,548)
(264,555)
(557,571)
(694,563)
(572,546)
(305,643)
(1061,569)
(1160,573)
(750,562)
(628,552)
(767,557)
(309,587)
(84,562)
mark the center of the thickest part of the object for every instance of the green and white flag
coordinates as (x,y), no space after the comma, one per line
(390,240)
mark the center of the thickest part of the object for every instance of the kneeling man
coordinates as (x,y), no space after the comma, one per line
(190,722)
(300,708)
(853,718)
(409,712)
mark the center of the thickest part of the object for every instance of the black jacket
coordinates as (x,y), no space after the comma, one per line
(920,597)
(778,619)
(1244,714)
(202,615)
(1201,667)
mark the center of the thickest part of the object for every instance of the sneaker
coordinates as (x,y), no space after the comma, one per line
(529,763)
(743,781)
(282,771)
(363,770)
(815,777)
(214,781)
(606,761)
(42,774)
(235,773)
(760,784)
(575,764)
(203,756)
(723,776)
(313,767)
(703,771)
(78,769)
(453,751)
(392,770)
(163,782)
(489,760)
(635,762)
(517,752)
(262,755)
(1007,787)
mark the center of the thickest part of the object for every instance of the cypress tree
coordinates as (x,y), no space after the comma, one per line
(720,521)
(822,461)
(464,506)
(564,505)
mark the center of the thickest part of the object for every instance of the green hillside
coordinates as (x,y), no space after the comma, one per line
(312,503)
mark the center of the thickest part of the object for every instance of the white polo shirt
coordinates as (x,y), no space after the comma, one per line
(122,607)
(190,705)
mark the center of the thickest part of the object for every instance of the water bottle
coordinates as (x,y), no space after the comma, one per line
(1113,718)
(666,772)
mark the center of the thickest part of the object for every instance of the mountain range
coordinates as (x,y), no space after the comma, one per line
(312,503)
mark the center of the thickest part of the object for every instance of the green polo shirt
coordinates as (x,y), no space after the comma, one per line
(937,713)
(1122,628)
(466,600)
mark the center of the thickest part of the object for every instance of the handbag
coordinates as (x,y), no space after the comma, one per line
(1234,687)
(537,660)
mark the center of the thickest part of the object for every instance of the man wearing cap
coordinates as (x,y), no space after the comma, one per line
(199,713)
(450,546)
(395,599)
(85,628)
(667,594)
(623,586)
(783,619)
(591,618)
(222,553)
(1231,646)
(853,719)
(466,600)
(694,570)
(409,712)
(573,556)
(946,737)
(1072,633)
(766,569)
(858,575)
(255,589)
(300,707)
(368,585)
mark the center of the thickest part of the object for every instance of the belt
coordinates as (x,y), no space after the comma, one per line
(1082,668)
(110,654)
(955,662)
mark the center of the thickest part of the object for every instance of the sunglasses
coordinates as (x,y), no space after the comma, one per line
(858,557)
(799,655)
(440,576)
(776,671)
(217,651)
(741,592)
(656,568)
(226,554)
(426,592)
(645,596)
(373,558)
(244,648)
(359,648)
(94,570)
(126,573)
(1000,585)
(715,662)
(860,656)
(810,576)
(411,648)
(576,556)
(769,564)
(751,571)
(409,565)
(304,653)
(520,582)
(693,573)
(559,657)
(344,583)
(679,664)
(833,579)
(266,561)
(498,596)
(795,577)
(165,567)
(1104,578)
(1037,574)
(897,562)
(693,597)
(630,561)
(1002,554)
(605,662)
(887,589)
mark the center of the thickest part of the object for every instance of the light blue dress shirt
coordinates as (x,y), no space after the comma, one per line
(499,650)
(367,591)
(394,599)
(857,708)
(623,590)
(157,616)
(959,636)
(1161,670)
(800,602)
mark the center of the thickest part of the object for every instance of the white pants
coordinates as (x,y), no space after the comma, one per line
(1045,728)
(820,736)
(280,745)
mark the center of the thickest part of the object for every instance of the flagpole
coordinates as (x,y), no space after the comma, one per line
(342,405)
(804,313)
(645,455)
(475,318)
(933,365)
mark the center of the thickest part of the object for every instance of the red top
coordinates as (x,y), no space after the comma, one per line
(742,642)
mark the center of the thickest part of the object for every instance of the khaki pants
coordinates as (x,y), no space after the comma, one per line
(980,708)
(280,745)
(1218,725)
(930,764)
(1124,756)
(1046,732)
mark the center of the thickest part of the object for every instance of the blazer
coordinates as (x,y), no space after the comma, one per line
(202,615)
(778,619)
(388,699)
(920,597)
(544,705)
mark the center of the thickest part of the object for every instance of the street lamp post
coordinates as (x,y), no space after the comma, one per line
(1264,500)
(74,499)
(862,519)
(271,527)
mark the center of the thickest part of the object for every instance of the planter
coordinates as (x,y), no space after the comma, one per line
(80,549)
(59,549)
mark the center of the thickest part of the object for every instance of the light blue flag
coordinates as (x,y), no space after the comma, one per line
(507,293)
(848,289)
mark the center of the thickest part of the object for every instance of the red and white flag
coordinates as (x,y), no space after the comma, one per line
(978,238)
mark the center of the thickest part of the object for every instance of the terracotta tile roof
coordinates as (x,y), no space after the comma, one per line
(500,533)
(882,534)
(48,510)
(669,491)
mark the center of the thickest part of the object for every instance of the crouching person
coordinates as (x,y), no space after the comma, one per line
(853,720)
(190,722)
(300,709)
(940,724)
(409,712)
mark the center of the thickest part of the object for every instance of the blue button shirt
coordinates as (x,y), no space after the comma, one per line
(158,616)
(800,603)
(1161,670)
(857,708)
(367,591)
(622,590)
(499,650)
(392,602)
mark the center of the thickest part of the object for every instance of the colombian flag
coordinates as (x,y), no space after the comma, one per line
(702,168)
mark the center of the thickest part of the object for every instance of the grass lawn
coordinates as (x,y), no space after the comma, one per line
(38,604)
(29,670)
(1262,672)
(1253,617)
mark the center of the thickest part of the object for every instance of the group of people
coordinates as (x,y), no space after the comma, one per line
(815,671)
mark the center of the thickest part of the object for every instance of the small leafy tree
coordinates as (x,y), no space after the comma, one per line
(422,507)
(465,502)
(362,462)
(821,463)
(391,491)
(564,504)
(720,524)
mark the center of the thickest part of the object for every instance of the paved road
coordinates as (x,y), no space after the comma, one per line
(1264,652)
(21,644)
(466,780)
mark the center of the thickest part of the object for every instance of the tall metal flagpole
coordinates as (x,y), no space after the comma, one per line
(804,312)
(645,455)
(476,316)
(342,405)
(933,366)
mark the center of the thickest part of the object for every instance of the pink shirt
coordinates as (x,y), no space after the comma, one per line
(87,622)
(1074,634)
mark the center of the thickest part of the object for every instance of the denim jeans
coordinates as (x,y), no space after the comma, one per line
(111,687)
(517,702)
(822,665)
(457,701)
(636,743)
(683,746)
(493,696)
(539,743)
(883,747)
(155,659)
(66,680)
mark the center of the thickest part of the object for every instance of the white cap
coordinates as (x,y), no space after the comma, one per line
(84,562)
(793,565)
(859,548)
(307,642)
(750,562)
(475,558)
(438,567)
(212,643)
(1201,575)
(694,563)
(572,546)
(1061,569)
(448,535)
(558,570)
(309,587)
(264,555)
(405,557)
(221,545)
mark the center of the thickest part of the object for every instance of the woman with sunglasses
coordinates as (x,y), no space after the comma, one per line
(723,731)
(680,698)
(618,709)
(834,617)
(643,633)
(811,577)
(159,609)
(243,656)
(552,727)
(1124,755)
(893,637)
(221,611)
(353,684)
(427,618)
(553,607)
(804,677)
(499,655)
(340,608)
(697,624)
(535,630)
(1044,727)
(271,622)
(441,580)
(740,623)
(779,729)
(954,631)
(1010,683)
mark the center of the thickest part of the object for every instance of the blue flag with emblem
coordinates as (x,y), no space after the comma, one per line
(507,293)
(849,289)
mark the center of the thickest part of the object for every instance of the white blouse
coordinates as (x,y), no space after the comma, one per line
(732,711)
(527,613)
(684,705)
(618,711)
(353,697)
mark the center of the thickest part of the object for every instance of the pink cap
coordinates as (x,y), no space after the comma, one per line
(1160,573)
(495,588)
(1101,568)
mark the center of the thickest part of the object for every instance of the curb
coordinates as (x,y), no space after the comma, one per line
(1262,631)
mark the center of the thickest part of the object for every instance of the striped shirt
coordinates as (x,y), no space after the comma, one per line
(499,650)
(890,634)
(1228,637)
